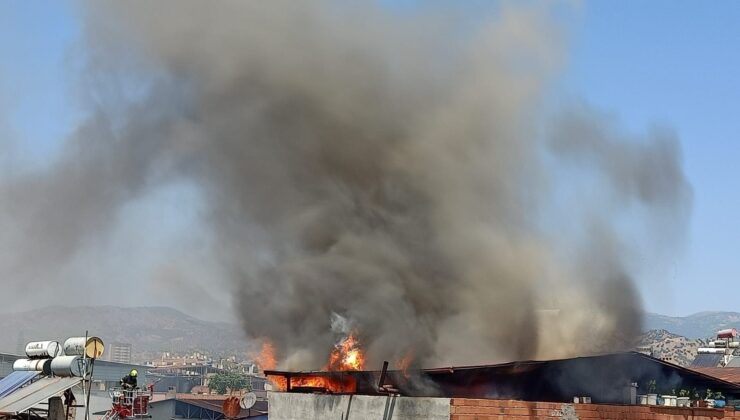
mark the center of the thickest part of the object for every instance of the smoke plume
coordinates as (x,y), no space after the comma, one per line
(392,170)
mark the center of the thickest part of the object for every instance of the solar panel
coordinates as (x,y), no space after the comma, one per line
(15,380)
(706,360)
(35,393)
(734,362)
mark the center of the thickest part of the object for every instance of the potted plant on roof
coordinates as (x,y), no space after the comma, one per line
(683,398)
(719,400)
(652,397)
(667,399)
(698,401)
(709,398)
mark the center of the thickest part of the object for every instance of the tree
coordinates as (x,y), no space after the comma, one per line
(227,381)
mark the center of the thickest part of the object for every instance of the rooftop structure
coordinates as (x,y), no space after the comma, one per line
(33,386)
(729,374)
(724,350)
(608,378)
(210,407)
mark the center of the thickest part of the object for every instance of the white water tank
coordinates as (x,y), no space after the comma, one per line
(67,366)
(711,350)
(92,347)
(43,349)
(37,365)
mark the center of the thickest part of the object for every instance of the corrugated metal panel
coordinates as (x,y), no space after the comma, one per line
(14,381)
(37,392)
(113,372)
(189,408)
(729,374)
(533,380)
(706,360)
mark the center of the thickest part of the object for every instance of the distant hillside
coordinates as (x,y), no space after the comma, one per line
(148,329)
(671,347)
(699,325)
(155,329)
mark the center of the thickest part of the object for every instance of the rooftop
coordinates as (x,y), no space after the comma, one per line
(729,374)
(604,377)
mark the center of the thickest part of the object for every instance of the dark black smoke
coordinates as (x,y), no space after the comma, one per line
(389,170)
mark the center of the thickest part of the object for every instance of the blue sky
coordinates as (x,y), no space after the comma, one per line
(667,63)
(675,64)
(35,74)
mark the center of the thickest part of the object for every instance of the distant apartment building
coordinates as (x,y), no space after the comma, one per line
(192,359)
(119,352)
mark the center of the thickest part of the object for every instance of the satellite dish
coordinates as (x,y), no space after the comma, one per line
(248,400)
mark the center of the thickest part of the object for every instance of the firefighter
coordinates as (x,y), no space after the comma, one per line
(128,382)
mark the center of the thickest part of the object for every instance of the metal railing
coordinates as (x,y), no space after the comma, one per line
(130,403)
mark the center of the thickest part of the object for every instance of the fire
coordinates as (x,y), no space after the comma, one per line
(404,363)
(337,385)
(346,355)
(334,385)
(266,359)
(280,383)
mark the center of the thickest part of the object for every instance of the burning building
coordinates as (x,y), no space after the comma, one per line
(343,160)
(607,379)
(372,185)
(527,387)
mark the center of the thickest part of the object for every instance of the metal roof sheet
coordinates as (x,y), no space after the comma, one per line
(39,391)
(734,362)
(15,380)
(532,379)
(215,403)
(729,374)
(260,407)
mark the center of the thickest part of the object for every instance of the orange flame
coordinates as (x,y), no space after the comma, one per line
(346,384)
(404,363)
(280,383)
(266,359)
(346,355)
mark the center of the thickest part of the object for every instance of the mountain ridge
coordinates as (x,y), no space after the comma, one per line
(147,329)
(700,325)
(154,329)
(670,347)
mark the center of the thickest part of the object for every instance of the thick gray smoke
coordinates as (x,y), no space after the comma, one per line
(390,171)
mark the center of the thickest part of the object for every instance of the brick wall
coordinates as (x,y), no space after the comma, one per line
(475,409)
